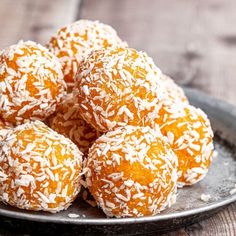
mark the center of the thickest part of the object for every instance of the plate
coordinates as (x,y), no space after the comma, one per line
(189,208)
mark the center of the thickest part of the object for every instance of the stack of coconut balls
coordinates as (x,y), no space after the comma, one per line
(89,107)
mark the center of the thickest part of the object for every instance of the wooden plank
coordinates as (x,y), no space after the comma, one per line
(34,20)
(224,223)
(193,41)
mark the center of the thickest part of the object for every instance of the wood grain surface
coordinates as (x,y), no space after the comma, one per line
(194,41)
(34,20)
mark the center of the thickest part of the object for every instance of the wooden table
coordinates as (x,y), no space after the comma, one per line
(194,41)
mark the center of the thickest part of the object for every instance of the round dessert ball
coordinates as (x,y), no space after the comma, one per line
(172,92)
(31,83)
(39,168)
(75,41)
(190,135)
(118,87)
(132,172)
(68,121)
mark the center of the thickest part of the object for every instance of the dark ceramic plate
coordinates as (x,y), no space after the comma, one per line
(189,208)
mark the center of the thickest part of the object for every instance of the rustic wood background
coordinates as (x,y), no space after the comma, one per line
(194,41)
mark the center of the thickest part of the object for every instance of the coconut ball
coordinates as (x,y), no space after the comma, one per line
(132,172)
(39,169)
(31,83)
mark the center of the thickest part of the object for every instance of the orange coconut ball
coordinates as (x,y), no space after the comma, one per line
(172,92)
(132,172)
(117,87)
(75,41)
(68,122)
(39,169)
(31,82)
(190,135)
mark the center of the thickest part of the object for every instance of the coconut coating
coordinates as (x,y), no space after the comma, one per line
(75,41)
(118,87)
(190,135)
(68,121)
(39,169)
(132,172)
(4,126)
(172,92)
(31,83)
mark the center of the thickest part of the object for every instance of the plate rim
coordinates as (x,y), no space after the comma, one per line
(111,221)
